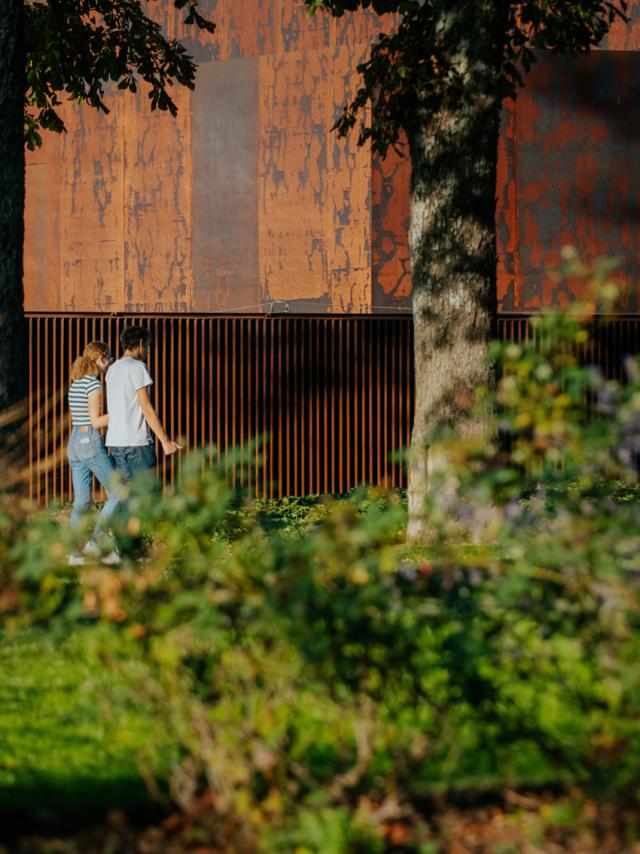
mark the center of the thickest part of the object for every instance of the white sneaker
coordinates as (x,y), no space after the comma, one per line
(75,560)
(91,549)
(112,559)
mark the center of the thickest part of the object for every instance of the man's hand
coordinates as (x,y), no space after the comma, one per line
(171,447)
(168,446)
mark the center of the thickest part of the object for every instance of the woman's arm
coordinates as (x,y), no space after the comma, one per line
(95,410)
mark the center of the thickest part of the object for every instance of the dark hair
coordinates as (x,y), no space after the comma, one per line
(133,335)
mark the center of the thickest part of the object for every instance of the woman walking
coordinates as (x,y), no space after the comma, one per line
(86,451)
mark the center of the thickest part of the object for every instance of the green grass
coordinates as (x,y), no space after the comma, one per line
(69,731)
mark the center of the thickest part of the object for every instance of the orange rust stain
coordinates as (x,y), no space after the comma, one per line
(586,166)
(348,213)
(528,111)
(565,133)
(597,132)
(619,188)
(532,192)
(313,189)
(390,214)
(157,206)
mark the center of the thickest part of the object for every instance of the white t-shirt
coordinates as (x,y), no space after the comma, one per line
(127,425)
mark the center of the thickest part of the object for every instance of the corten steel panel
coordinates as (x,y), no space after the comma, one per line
(314,190)
(569,176)
(91,212)
(74,216)
(157,201)
(391,269)
(224,145)
(111,217)
(113,224)
(330,398)
(35,214)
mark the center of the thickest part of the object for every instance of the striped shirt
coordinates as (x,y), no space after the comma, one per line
(79,399)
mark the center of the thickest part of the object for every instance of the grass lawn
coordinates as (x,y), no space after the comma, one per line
(65,752)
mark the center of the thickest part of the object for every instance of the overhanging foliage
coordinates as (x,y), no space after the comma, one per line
(81,47)
(419,60)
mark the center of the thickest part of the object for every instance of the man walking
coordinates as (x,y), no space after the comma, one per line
(132,417)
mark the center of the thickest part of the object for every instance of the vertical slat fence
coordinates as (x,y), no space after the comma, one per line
(309,404)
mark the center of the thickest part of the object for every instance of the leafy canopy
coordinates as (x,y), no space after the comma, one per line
(416,62)
(81,46)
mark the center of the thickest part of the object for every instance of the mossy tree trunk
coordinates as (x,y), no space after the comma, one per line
(452,241)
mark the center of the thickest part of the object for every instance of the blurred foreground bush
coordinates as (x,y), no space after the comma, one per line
(321,682)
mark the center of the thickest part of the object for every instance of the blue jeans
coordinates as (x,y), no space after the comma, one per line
(133,459)
(88,457)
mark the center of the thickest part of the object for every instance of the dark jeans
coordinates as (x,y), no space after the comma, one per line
(131,460)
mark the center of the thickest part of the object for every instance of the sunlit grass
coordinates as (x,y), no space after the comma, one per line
(69,732)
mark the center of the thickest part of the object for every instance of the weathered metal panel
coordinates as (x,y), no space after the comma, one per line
(91,228)
(35,264)
(568,176)
(121,212)
(157,205)
(313,197)
(75,211)
(42,228)
(391,269)
(224,134)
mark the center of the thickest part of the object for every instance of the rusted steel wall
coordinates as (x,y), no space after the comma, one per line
(568,176)
(247,197)
(567,171)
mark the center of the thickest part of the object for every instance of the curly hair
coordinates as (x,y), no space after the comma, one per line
(87,363)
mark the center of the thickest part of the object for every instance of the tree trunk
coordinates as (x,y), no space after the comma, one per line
(12,87)
(452,242)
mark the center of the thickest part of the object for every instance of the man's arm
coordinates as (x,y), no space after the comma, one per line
(168,446)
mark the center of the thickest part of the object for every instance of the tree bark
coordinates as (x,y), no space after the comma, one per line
(452,242)
(12,178)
